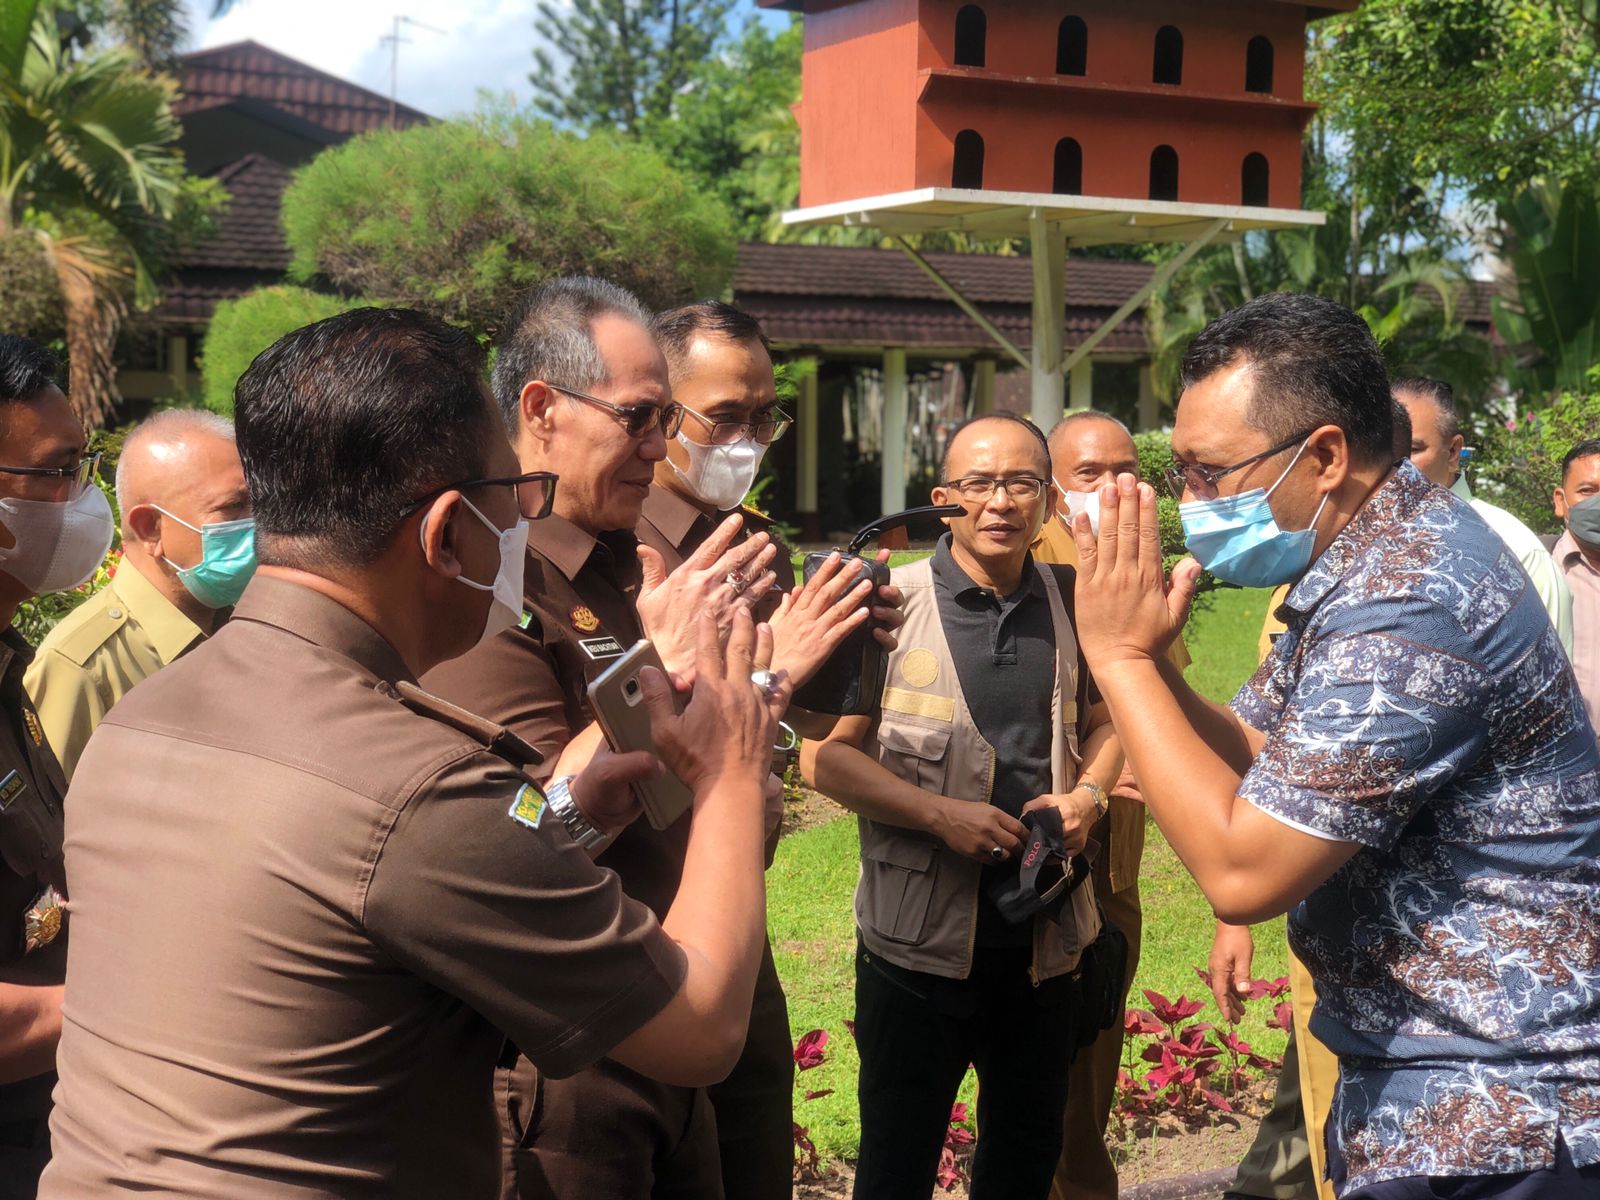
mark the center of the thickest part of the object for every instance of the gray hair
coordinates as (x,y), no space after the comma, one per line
(170,424)
(550,336)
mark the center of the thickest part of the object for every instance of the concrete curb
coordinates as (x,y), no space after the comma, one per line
(1206,1185)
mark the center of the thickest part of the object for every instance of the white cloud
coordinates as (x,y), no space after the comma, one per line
(485,44)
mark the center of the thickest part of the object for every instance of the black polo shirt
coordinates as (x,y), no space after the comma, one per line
(1004,648)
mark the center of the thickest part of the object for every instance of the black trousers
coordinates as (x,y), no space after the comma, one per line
(754,1106)
(916,1035)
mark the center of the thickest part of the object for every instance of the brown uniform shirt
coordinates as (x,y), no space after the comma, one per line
(31,791)
(306,914)
(579,593)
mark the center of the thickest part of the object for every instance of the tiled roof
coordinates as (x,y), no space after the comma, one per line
(248,236)
(189,297)
(249,70)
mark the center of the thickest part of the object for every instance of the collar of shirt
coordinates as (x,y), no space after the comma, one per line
(948,574)
(15,652)
(1566,550)
(322,621)
(674,516)
(1393,502)
(569,549)
(169,630)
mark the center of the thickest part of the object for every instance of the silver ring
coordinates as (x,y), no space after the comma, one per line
(737,582)
(997,854)
(766,681)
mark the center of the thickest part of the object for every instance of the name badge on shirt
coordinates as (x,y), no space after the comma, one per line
(11,787)
(598,648)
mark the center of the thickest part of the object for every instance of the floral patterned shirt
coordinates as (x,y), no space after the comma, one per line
(1420,705)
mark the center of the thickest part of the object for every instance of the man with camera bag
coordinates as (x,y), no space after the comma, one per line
(989,745)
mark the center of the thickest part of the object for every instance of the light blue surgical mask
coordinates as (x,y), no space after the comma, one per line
(1237,538)
(227,560)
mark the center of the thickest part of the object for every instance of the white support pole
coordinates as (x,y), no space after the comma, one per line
(1049,249)
(961,302)
(982,387)
(805,498)
(892,490)
(1149,406)
(1082,377)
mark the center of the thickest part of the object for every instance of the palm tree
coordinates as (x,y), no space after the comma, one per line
(89,169)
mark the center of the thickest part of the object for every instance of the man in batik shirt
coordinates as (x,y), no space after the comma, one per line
(1411,774)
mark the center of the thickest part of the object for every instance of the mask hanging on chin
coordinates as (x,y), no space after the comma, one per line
(1238,540)
(1583,520)
(57,544)
(505,608)
(1079,502)
(720,476)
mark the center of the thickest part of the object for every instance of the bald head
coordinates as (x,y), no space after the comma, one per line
(175,453)
(989,423)
(1090,449)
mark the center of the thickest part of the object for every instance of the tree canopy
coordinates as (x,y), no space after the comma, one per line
(459,217)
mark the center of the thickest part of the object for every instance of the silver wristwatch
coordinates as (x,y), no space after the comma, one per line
(1102,805)
(558,794)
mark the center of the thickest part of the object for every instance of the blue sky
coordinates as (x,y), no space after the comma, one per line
(486,44)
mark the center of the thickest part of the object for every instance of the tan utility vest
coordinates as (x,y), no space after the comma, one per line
(917,900)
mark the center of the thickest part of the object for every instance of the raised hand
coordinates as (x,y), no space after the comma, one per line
(728,728)
(812,620)
(1126,608)
(715,579)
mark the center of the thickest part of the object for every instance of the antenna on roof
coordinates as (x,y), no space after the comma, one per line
(393,41)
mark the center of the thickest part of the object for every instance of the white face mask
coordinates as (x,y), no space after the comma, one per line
(505,610)
(1080,502)
(59,543)
(721,476)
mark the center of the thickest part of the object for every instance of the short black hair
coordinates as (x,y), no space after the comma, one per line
(1443,397)
(1402,431)
(550,336)
(677,328)
(1582,450)
(344,422)
(1038,434)
(26,368)
(1315,363)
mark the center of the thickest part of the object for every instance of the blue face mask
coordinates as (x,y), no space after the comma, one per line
(227,560)
(1237,538)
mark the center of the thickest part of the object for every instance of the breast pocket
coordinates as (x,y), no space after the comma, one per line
(919,754)
(897,885)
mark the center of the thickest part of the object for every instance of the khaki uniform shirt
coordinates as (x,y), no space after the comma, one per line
(579,593)
(31,792)
(1125,850)
(313,897)
(117,638)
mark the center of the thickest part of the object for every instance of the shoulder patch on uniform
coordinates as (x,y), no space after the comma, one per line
(82,632)
(527,807)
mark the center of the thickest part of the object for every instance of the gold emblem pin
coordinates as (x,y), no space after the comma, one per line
(919,667)
(584,620)
(42,922)
(35,731)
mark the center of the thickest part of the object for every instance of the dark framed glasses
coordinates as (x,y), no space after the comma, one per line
(1202,481)
(536,493)
(637,419)
(81,473)
(764,431)
(978,488)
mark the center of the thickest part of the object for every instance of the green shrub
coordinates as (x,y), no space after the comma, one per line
(30,297)
(1519,463)
(458,217)
(1155,456)
(243,328)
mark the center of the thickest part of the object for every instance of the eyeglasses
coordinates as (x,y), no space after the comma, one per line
(536,493)
(83,472)
(637,419)
(979,488)
(765,431)
(1202,481)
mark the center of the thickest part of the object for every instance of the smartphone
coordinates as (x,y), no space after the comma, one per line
(617,699)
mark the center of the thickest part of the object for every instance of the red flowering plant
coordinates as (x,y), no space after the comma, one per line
(1196,1073)
(810,1052)
(955,1160)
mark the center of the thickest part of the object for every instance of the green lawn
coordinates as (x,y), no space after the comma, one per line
(809,907)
